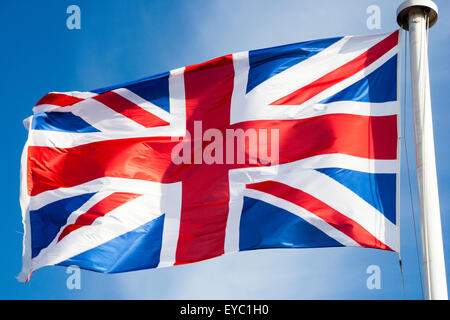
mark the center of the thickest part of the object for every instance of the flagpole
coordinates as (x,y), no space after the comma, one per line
(417,16)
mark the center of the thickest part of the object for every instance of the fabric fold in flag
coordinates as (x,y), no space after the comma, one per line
(294,146)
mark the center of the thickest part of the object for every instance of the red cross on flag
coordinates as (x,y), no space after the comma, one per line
(287,147)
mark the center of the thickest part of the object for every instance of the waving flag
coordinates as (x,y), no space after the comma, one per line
(287,147)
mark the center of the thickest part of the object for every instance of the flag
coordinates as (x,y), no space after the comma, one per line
(294,146)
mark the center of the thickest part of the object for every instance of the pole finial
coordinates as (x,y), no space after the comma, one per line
(429,7)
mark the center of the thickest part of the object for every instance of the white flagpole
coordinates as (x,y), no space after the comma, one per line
(417,16)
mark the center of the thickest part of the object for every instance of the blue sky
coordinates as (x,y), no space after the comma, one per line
(121,41)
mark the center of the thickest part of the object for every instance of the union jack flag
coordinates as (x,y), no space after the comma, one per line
(100,188)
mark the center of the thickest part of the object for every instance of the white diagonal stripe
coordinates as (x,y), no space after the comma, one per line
(163,199)
(344,161)
(301,175)
(256,105)
(309,70)
(305,215)
(106,184)
(342,200)
(104,118)
(147,105)
(123,130)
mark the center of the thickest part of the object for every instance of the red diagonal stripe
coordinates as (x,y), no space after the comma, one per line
(59,99)
(347,70)
(98,210)
(130,110)
(336,219)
